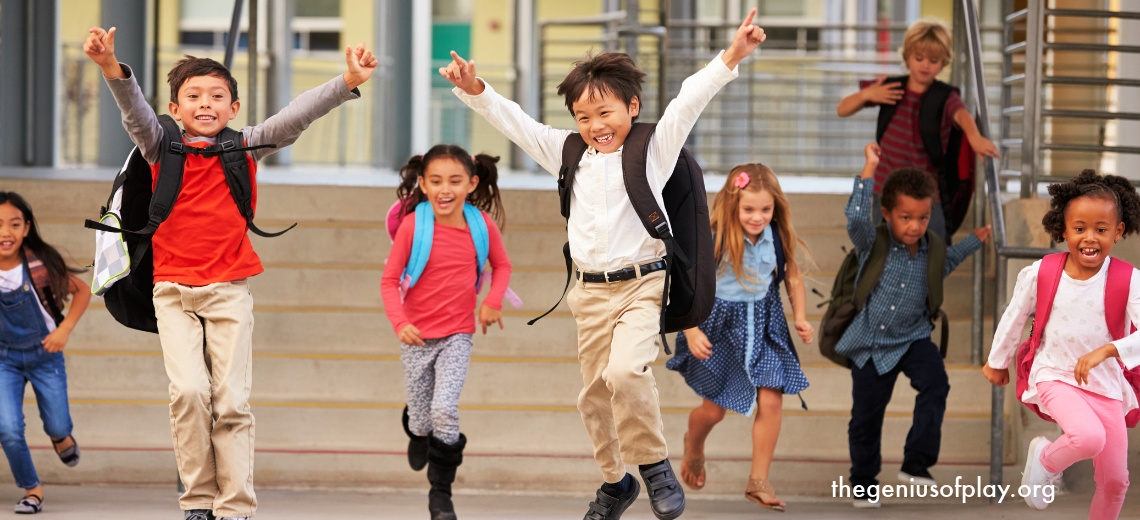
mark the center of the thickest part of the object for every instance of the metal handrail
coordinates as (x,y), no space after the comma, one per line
(1002,250)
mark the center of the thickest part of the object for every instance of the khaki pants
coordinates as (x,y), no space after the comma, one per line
(206,335)
(618,326)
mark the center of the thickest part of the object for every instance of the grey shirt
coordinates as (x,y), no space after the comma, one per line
(282,129)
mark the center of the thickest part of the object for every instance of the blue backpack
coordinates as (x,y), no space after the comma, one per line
(422,241)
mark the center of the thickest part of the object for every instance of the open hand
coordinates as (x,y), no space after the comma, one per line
(361,64)
(699,344)
(997,376)
(461,73)
(883,93)
(747,38)
(983,234)
(410,335)
(56,340)
(489,316)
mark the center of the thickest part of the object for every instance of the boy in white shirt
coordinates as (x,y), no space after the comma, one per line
(618,321)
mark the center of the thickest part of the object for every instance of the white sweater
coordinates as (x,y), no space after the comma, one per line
(1076,327)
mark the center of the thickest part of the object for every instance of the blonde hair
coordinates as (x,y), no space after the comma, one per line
(728,237)
(929,38)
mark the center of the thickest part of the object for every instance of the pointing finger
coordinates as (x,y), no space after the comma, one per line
(455,56)
(748,19)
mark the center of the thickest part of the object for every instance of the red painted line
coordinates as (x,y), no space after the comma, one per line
(506,455)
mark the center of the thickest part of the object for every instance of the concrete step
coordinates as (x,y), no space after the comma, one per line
(490,383)
(138,425)
(334,332)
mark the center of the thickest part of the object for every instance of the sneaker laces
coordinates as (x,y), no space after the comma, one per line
(1051,479)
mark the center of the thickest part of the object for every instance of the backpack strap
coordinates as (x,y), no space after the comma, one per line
(781,257)
(887,112)
(572,150)
(236,166)
(422,239)
(477,226)
(41,280)
(1116,298)
(1048,279)
(935,266)
(872,268)
(635,155)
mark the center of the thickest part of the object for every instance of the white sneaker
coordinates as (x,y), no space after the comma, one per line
(866,503)
(1036,478)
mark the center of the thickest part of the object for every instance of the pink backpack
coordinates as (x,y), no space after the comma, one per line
(1115,315)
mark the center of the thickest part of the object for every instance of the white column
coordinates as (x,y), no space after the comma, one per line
(1128,67)
(421,76)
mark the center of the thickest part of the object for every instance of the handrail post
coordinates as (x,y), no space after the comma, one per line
(1031,122)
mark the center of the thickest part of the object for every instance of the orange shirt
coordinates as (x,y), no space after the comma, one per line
(204,239)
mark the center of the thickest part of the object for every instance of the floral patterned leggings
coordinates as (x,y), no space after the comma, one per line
(433,377)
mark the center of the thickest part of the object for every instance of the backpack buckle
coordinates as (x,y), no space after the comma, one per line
(662,229)
(176,147)
(228,145)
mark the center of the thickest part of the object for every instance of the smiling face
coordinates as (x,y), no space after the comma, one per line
(13,229)
(604,119)
(204,106)
(909,219)
(924,68)
(756,208)
(1092,226)
(446,183)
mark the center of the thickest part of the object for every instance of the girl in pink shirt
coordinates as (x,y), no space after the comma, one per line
(429,286)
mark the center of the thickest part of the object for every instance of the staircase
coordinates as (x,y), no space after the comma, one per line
(328,384)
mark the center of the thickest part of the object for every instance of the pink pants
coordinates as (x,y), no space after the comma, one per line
(1094,429)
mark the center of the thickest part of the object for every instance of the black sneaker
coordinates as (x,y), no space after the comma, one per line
(608,507)
(198,514)
(916,475)
(666,497)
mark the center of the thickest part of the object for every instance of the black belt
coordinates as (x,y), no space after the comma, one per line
(621,275)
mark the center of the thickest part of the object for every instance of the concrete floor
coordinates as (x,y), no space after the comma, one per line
(151,503)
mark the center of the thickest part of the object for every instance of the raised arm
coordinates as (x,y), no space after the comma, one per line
(876,93)
(285,127)
(860,229)
(541,142)
(139,118)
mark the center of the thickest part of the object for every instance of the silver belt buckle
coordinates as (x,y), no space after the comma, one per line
(606,275)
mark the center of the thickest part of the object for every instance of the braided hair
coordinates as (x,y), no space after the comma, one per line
(1113,188)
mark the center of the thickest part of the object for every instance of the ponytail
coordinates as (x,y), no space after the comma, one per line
(487,196)
(408,192)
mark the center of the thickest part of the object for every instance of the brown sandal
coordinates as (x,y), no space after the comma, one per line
(761,492)
(692,466)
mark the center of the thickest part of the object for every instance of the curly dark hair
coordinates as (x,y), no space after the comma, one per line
(913,183)
(1113,188)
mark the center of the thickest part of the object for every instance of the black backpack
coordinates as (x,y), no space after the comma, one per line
(955,165)
(690,274)
(847,299)
(141,211)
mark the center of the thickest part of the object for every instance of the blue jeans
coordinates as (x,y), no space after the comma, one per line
(48,376)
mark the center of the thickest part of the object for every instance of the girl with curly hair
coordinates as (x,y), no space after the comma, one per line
(1068,379)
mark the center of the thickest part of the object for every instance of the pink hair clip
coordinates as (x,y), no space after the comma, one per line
(742,180)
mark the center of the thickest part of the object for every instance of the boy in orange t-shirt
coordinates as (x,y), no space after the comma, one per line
(202,259)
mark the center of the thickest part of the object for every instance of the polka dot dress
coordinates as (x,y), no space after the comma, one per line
(751,348)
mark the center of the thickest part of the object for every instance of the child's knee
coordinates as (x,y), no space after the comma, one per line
(1088,442)
(769,408)
(11,431)
(1114,485)
(628,380)
(190,393)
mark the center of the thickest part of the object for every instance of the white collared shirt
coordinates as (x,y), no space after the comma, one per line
(604,230)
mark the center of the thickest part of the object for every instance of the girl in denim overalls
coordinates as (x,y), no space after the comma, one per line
(34,284)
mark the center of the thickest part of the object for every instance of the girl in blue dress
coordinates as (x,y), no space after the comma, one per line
(742,357)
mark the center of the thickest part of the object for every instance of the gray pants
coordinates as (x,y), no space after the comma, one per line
(433,377)
(937,218)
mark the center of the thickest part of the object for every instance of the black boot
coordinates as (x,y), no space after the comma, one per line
(417,446)
(442,461)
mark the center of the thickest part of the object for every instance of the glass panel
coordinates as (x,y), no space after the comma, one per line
(321,8)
